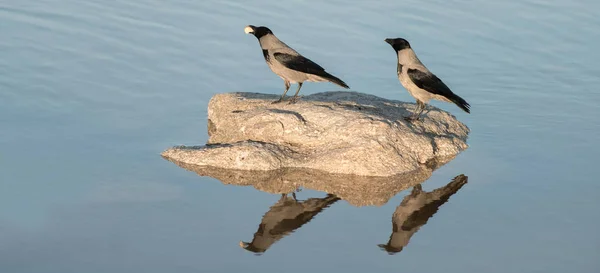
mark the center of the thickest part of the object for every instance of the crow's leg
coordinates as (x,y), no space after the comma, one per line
(287,87)
(295,98)
(418,111)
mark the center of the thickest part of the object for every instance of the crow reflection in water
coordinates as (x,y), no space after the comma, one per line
(283,218)
(415,210)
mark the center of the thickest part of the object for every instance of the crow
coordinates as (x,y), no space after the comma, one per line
(419,81)
(289,64)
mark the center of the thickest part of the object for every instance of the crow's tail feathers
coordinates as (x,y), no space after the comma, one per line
(460,102)
(333,79)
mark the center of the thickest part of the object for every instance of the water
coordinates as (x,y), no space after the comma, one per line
(92,91)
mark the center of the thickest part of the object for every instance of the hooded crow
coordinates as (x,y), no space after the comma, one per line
(289,64)
(419,81)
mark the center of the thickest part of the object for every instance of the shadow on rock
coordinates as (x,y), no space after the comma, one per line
(283,218)
(349,100)
(415,210)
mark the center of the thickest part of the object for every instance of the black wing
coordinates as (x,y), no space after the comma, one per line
(432,84)
(298,63)
(429,82)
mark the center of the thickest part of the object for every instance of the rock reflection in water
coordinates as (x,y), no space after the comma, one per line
(356,190)
(289,214)
(415,210)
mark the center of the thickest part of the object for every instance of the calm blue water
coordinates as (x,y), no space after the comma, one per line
(92,91)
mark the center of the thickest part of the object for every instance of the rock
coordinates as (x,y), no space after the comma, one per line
(334,132)
(354,189)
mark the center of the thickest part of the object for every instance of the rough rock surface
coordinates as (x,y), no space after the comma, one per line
(335,132)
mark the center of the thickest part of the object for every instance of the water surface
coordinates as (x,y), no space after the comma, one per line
(92,91)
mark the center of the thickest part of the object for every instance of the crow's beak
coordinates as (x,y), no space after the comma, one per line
(388,40)
(390,249)
(249,29)
(243,244)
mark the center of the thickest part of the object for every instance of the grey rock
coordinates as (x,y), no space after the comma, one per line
(334,132)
